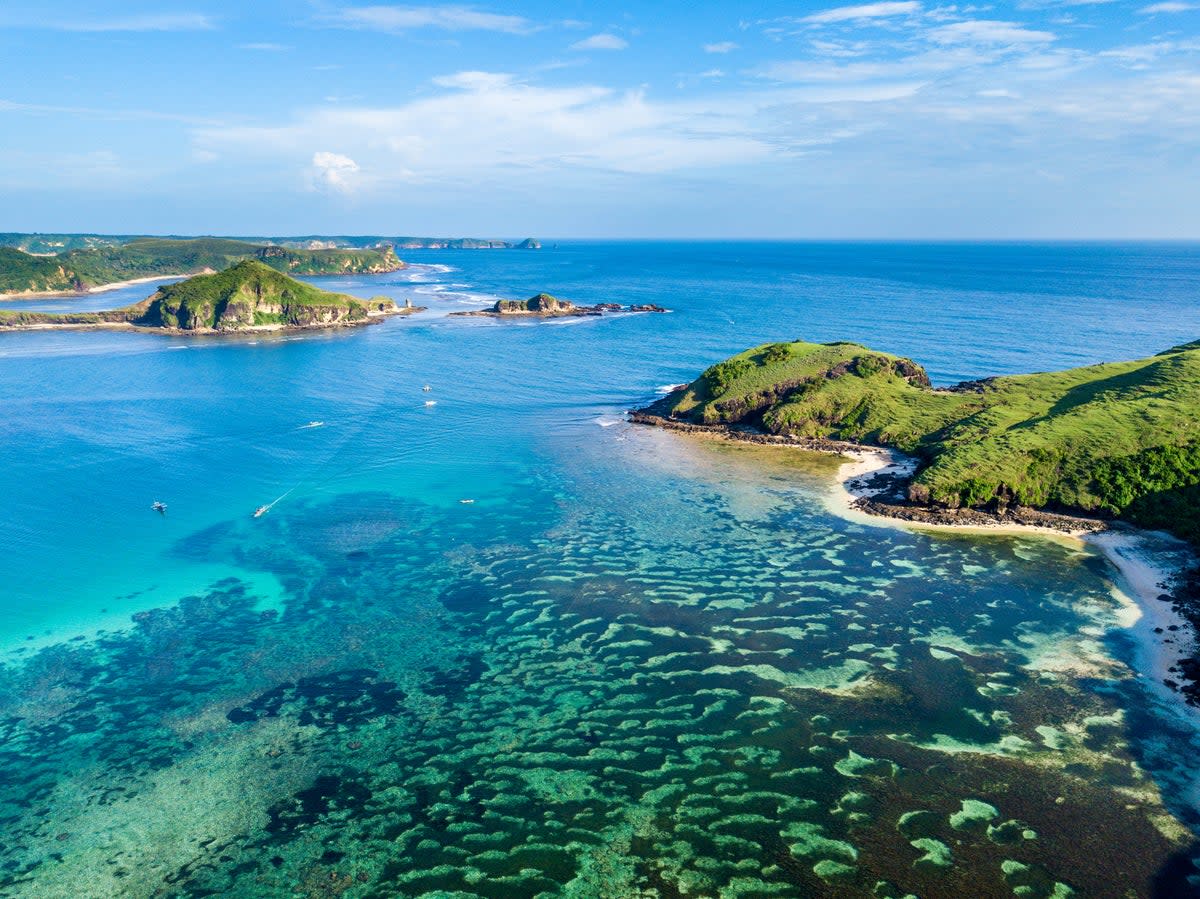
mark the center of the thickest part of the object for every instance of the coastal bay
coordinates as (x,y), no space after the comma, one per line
(666,661)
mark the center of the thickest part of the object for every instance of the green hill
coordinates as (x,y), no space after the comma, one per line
(248,294)
(94,266)
(1119,439)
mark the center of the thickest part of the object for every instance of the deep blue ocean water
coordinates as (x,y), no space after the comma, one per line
(633,660)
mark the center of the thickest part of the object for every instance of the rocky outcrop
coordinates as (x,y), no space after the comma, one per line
(543,305)
(529,243)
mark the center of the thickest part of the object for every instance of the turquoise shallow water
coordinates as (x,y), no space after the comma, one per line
(635,665)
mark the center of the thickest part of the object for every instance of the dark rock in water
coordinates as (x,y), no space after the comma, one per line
(547,306)
(348,697)
(329,793)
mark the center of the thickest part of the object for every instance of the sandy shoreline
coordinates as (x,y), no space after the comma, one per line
(1142,561)
(99,288)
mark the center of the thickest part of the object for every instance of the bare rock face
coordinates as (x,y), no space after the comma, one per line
(541,304)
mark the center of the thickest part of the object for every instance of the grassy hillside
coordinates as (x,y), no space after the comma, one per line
(1121,438)
(145,257)
(249,294)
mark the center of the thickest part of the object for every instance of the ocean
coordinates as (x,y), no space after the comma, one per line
(635,664)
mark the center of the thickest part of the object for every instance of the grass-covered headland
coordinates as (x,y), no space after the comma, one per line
(1121,439)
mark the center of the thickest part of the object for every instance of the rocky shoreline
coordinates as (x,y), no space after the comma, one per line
(105,321)
(879,489)
(543,305)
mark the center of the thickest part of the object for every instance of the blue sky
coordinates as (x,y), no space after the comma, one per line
(903,118)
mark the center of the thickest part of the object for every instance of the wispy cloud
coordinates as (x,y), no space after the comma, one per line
(264,46)
(864,11)
(411,18)
(988,31)
(527,129)
(183,21)
(601,42)
(721,47)
(1171,6)
(475,81)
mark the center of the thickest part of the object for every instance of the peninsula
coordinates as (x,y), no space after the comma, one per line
(543,305)
(97,266)
(1116,440)
(247,296)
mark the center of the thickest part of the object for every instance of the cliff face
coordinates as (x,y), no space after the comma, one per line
(250,295)
(330,260)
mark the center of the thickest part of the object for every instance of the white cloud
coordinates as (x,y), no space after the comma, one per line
(865,11)
(601,42)
(722,47)
(333,171)
(448,18)
(483,130)
(1171,6)
(264,46)
(474,81)
(988,31)
(184,21)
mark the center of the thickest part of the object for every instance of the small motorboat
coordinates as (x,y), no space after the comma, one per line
(427,388)
(315,424)
(466,502)
(429,403)
(261,511)
(160,508)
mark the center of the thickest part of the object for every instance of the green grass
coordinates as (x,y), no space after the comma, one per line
(1121,438)
(246,294)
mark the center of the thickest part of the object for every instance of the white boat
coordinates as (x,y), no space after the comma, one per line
(430,403)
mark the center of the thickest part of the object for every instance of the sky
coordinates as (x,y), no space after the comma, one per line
(1065,119)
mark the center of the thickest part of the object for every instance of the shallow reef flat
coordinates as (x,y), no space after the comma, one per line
(733,694)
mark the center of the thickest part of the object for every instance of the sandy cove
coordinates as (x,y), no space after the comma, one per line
(1161,635)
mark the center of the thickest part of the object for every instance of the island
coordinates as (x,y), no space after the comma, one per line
(247,296)
(97,265)
(1081,450)
(543,305)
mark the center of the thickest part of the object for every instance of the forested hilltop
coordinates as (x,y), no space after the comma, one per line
(91,266)
(1119,439)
